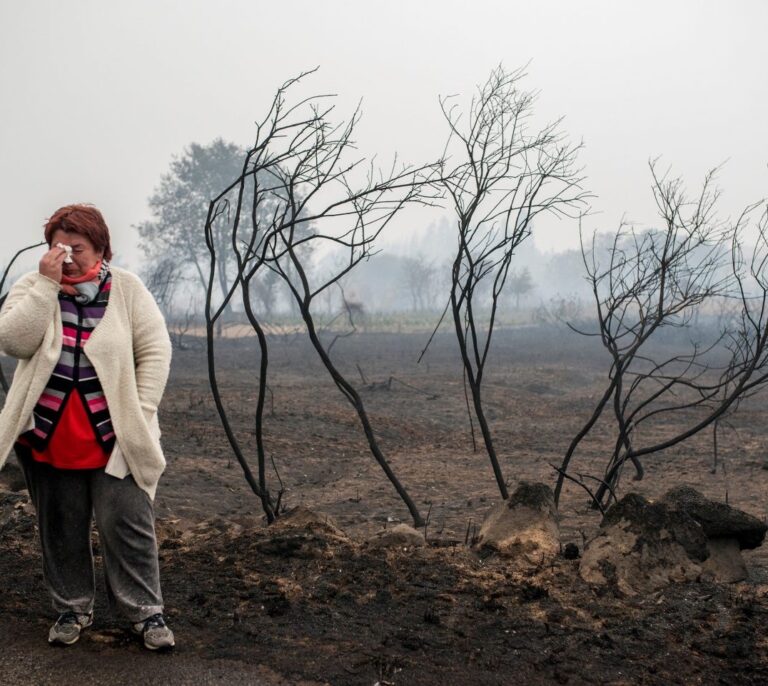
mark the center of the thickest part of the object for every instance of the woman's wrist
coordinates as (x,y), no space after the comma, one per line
(48,279)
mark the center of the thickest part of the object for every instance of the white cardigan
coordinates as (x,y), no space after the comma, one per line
(129,349)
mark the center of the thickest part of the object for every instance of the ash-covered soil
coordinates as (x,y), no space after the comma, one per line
(250,603)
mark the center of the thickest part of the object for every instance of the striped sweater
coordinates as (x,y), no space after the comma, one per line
(74,373)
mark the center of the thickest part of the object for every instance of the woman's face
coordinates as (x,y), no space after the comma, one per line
(84,253)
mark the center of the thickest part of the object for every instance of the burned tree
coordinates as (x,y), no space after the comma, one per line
(307,189)
(500,176)
(651,282)
(220,210)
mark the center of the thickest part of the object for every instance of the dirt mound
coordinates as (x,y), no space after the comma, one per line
(399,536)
(300,533)
(718,520)
(523,527)
(644,546)
(728,531)
(246,604)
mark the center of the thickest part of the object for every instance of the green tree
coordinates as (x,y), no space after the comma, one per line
(179,206)
(520,284)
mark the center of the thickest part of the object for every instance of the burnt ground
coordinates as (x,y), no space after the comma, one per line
(249,604)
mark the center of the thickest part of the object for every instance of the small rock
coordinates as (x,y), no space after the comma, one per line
(571,551)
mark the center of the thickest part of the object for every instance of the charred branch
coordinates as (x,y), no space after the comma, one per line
(500,175)
(646,283)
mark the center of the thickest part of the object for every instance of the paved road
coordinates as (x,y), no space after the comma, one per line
(100,659)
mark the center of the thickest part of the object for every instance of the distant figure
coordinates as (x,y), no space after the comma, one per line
(355,311)
(81,413)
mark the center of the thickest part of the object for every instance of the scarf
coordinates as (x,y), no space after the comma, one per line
(85,288)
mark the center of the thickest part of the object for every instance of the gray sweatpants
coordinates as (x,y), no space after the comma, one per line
(66,501)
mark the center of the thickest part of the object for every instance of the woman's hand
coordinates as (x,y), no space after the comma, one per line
(50,263)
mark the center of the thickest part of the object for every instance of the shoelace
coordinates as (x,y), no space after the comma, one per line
(155,621)
(69,617)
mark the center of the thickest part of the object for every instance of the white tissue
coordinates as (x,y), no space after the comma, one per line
(68,248)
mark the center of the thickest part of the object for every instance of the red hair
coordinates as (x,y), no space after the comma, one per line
(82,219)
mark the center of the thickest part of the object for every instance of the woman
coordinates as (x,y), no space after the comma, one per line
(81,413)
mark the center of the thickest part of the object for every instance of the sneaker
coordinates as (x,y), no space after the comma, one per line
(154,632)
(68,628)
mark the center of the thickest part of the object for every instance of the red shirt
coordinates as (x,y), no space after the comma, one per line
(73,444)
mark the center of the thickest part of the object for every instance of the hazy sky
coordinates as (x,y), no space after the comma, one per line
(98,95)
